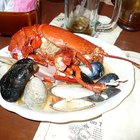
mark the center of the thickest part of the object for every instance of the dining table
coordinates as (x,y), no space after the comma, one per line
(16,127)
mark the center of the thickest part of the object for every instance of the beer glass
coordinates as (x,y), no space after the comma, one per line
(81,16)
(130,15)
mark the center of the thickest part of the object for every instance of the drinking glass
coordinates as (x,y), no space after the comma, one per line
(130,15)
(81,16)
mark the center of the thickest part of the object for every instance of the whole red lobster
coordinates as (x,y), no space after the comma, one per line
(48,44)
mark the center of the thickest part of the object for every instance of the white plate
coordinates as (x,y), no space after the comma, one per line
(122,68)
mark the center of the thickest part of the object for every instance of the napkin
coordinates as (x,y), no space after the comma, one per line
(90,130)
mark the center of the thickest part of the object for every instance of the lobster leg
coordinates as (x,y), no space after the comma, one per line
(84,60)
(65,78)
(67,56)
(39,59)
(77,79)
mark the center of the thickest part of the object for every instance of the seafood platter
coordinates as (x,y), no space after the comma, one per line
(50,74)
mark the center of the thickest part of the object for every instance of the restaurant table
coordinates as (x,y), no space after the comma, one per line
(15,127)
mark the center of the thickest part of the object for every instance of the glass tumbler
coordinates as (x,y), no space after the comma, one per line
(81,16)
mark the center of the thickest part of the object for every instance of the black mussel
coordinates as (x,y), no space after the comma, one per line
(108,77)
(110,92)
(12,84)
(98,70)
(86,79)
(96,98)
(104,95)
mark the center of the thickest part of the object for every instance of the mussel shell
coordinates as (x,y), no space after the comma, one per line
(104,95)
(110,92)
(108,77)
(86,79)
(73,105)
(70,91)
(13,82)
(97,70)
(96,98)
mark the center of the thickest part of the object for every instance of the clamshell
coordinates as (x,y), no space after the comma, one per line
(35,94)
(73,105)
(74,97)
(70,91)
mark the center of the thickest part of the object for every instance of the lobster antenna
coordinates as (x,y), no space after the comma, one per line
(125,59)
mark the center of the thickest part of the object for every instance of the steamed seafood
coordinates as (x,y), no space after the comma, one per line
(50,45)
(35,94)
(73,105)
(65,55)
(73,97)
(13,82)
(72,58)
(70,91)
(97,70)
(105,95)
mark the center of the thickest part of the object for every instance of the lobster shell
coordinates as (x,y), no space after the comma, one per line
(60,37)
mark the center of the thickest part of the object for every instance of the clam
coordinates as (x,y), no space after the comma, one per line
(74,97)
(73,105)
(35,94)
